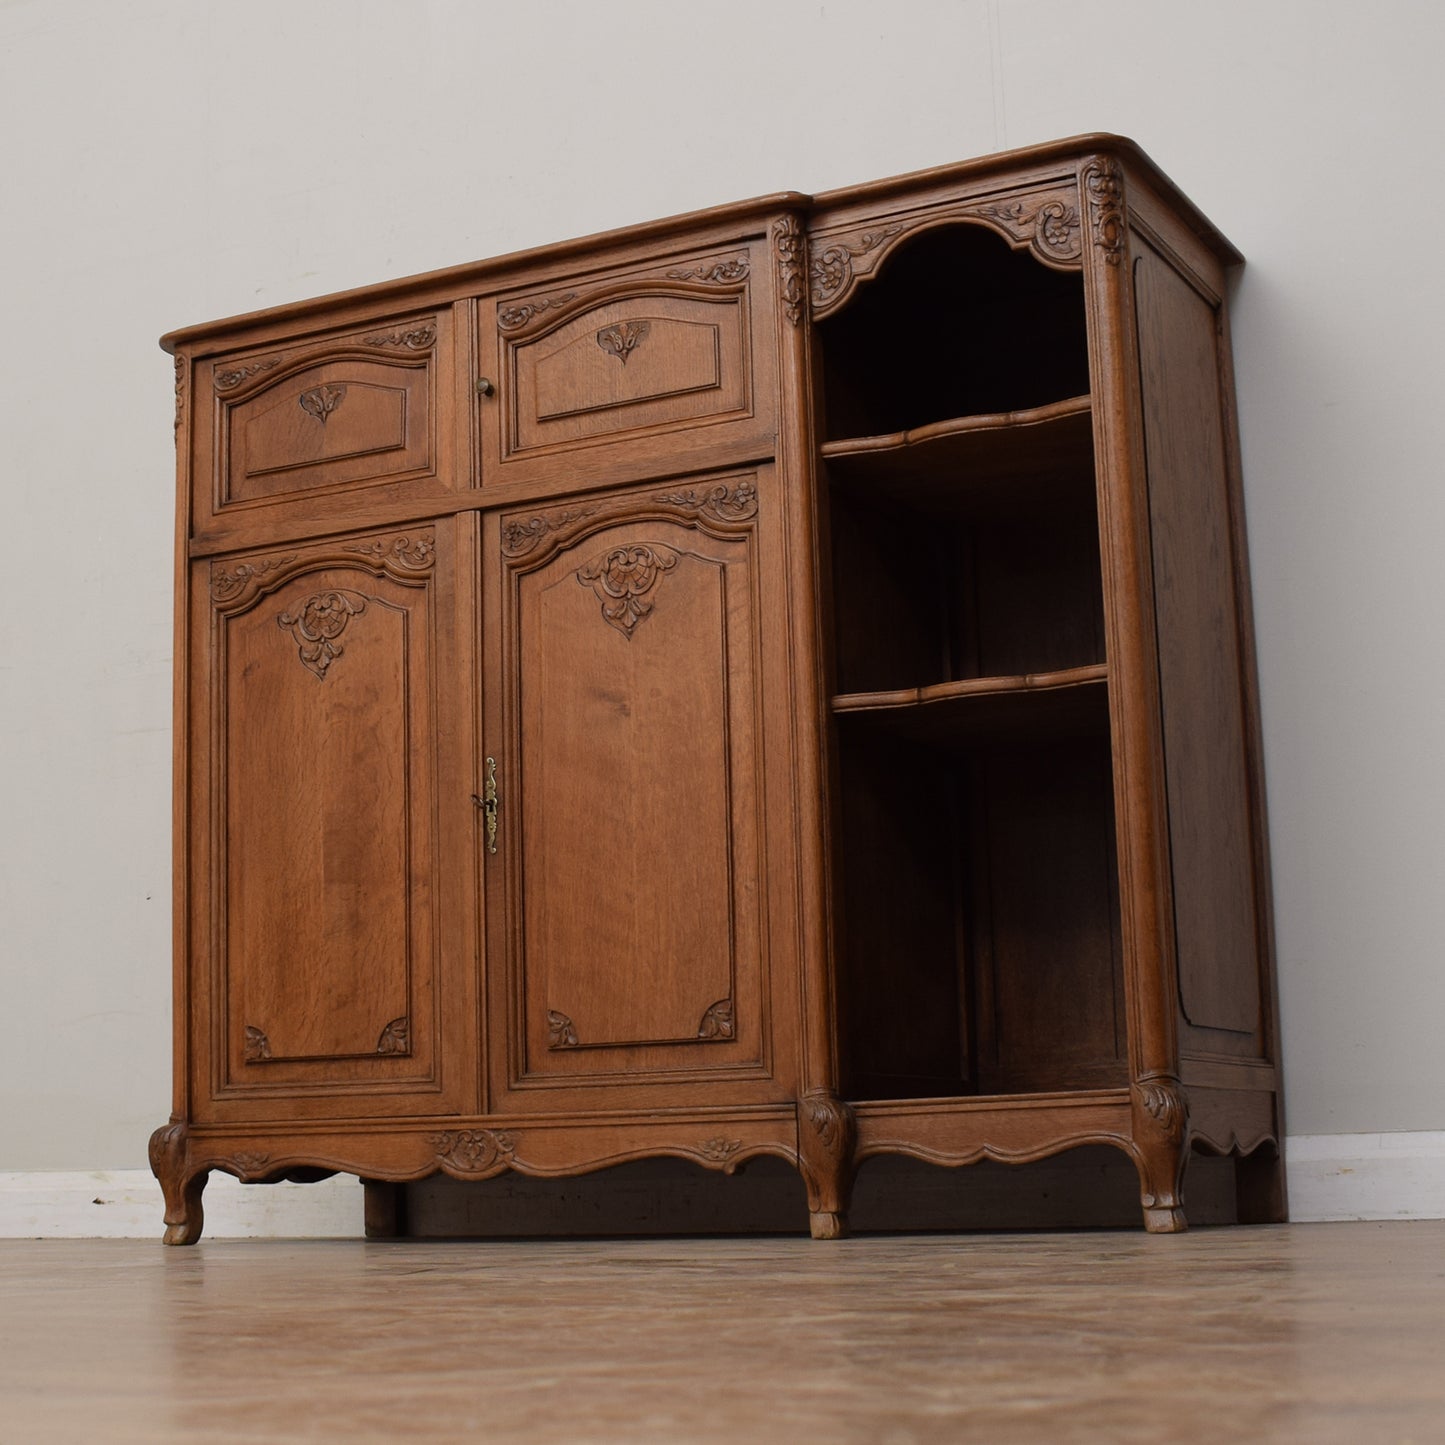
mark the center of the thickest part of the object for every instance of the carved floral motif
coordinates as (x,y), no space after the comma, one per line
(414,338)
(725,503)
(416,553)
(320,622)
(395,1037)
(233,376)
(1104,186)
(719,1150)
(321,401)
(1052,227)
(520,536)
(257,1045)
(789,242)
(622,577)
(473,1151)
(561,1034)
(250,1163)
(228,584)
(717,1022)
(831,270)
(622,340)
(721,273)
(513,318)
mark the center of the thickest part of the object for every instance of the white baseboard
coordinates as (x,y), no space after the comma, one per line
(1331,1177)
(1366,1176)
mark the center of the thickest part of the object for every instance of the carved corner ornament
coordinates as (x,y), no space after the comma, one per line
(723,503)
(1048,224)
(395,1037)
(321,401)
(521,535)
(561,1032)
(623,339)
(831,1123)
(515,317)
(717,1022)
(720,273)
(413,553)
(791,246)
(228,583)
(831,270)
(232,376)
(1104,190)
(473,1152)
(316,628)
(622,577)
(257,1046)
(412,338)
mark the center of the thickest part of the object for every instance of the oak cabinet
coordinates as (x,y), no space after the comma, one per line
(775,681)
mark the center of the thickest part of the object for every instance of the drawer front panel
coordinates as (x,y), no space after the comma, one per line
(291,427)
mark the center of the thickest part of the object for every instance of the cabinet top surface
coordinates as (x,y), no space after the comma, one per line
(431,288)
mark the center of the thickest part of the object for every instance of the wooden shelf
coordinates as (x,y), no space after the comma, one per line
(1073,701)
(1022,457)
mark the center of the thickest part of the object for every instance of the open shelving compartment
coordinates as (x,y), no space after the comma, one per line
(975,878)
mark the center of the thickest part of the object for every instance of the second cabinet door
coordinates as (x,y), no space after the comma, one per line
(628,901)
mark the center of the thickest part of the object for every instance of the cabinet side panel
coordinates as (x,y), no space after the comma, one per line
(1201,682)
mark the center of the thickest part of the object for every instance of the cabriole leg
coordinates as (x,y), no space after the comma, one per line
(170,1163)
(827,1133)
(1161,1145)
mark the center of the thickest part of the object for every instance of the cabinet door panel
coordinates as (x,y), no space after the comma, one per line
(634,843)
(334,782)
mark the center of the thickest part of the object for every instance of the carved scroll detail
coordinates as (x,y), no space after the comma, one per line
(790,244)
(561,1033)
(232,377)
(720,273)
(414,338)
(473,1151)
(414,553)
(723,502)
(521,536)
(717,1022)
(831,270)
(623,339)
(719,1150)
(257,1045)
(1104,187)
(228,584)
(321,401)
(321,621)
(180,390)
(514,318)
(622,577)
(395,1037)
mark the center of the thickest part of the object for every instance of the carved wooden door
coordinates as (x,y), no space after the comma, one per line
(326,693)
(628,896)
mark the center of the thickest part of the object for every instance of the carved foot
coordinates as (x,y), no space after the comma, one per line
(828,1224)
(827,1133)
(170,1163)
(1161,1142)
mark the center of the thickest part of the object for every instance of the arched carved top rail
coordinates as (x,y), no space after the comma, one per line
(238,583)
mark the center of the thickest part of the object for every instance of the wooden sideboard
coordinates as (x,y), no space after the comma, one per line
(773,681)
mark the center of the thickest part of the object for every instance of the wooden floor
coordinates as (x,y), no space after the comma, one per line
(1310,1333)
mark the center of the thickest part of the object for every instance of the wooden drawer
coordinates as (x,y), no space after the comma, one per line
(607,364)
(293,425)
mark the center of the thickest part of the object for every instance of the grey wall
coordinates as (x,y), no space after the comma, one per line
(170,161)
